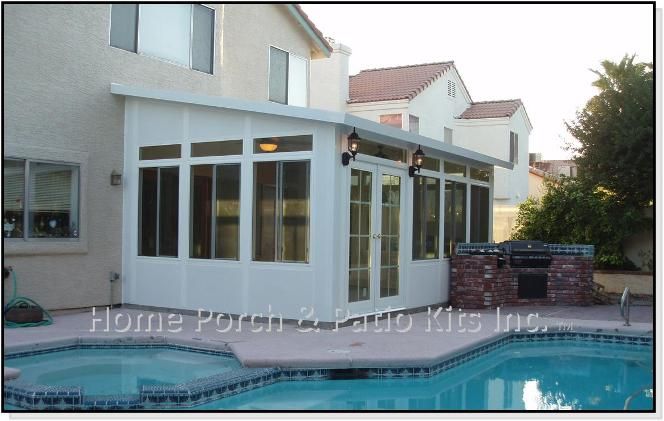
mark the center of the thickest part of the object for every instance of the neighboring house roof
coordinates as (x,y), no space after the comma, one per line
(492,109)
(394,83)
(541,173)
(372,129)
(310,28)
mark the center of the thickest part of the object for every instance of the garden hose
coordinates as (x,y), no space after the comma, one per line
(18,302)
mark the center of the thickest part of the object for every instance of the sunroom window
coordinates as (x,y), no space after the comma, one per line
(426,217)
(281,211)
(158,211)
(455,215)
(215,211)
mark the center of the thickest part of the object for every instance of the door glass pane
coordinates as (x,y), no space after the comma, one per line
(389,247)
(265,210)
(124,19)
(227,236)
(201,211)
(53,200)
(479,214)
(147,214)
(294,233)
(13,198)
(169,183)
(426,205)
(165,31)
(360,235)
(278,89)
(202,43)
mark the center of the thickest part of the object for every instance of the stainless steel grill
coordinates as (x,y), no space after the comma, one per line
(527,254)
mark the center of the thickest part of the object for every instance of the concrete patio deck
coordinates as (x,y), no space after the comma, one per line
(346,347)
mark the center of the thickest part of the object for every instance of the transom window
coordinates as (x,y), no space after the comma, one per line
(52,206)
(178,33)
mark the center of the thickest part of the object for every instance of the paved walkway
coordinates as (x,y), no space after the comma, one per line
(416,338)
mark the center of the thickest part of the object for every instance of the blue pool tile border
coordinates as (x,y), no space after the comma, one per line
(233,382)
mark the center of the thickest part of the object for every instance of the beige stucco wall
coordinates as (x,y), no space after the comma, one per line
(58,68)
(535,185)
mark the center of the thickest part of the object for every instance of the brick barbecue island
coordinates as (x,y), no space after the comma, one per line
(486,276)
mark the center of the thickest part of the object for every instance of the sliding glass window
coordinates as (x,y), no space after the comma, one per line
(215,211)
(455,215)
(158,211)
(479,214)
(426,217)
(281,211)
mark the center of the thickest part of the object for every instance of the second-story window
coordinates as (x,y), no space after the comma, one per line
(178,33)
(514,148)
(393,120)
(413,124)
(288,79)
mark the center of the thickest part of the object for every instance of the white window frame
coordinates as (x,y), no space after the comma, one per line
(308,72)
(191,30)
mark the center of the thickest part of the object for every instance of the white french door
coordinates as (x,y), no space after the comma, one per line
(375,238)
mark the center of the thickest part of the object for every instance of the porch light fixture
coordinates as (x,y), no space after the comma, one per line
(116,178)
(418,157)
(353,147)
(269,145)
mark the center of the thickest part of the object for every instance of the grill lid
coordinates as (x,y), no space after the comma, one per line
(525,247)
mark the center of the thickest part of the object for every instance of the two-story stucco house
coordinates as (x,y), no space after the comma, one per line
(175,145)
(432,100)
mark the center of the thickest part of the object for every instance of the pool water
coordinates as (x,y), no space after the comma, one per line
(119,370)
(531,376)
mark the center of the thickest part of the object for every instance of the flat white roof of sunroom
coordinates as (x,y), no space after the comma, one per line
(364,127)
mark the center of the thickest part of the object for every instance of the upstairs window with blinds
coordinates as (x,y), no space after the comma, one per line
(288,78)
(179,33)
(52,206)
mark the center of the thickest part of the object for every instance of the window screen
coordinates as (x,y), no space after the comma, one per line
(278,75)
(124,26)
(202,42)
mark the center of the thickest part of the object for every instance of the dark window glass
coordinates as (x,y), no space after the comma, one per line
(13,197)
(201,211)
(426,217)
(479,214)
(221,148)
(379,150)
(202,42)
(169,180)
(281,211)
(265,210)
(431,164)
(227,211)
(478,174)
(455,215)
(455,169)
(124,26)
(147,214)
(283,144)
(159,152)
(278,76)
(158,211)
(294,229)
(514,148)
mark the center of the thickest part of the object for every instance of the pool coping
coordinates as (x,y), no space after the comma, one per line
(200,391)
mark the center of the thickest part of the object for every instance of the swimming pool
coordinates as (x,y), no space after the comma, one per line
(554,371)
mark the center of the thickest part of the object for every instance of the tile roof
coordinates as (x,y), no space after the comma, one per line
(492,109)
(392,83)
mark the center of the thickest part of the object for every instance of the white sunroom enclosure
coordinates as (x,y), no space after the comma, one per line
(242,207)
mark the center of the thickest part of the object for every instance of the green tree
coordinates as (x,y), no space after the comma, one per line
(615,132)
(574,212)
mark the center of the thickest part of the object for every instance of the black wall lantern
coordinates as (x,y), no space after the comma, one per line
(353,147)
(418,157)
